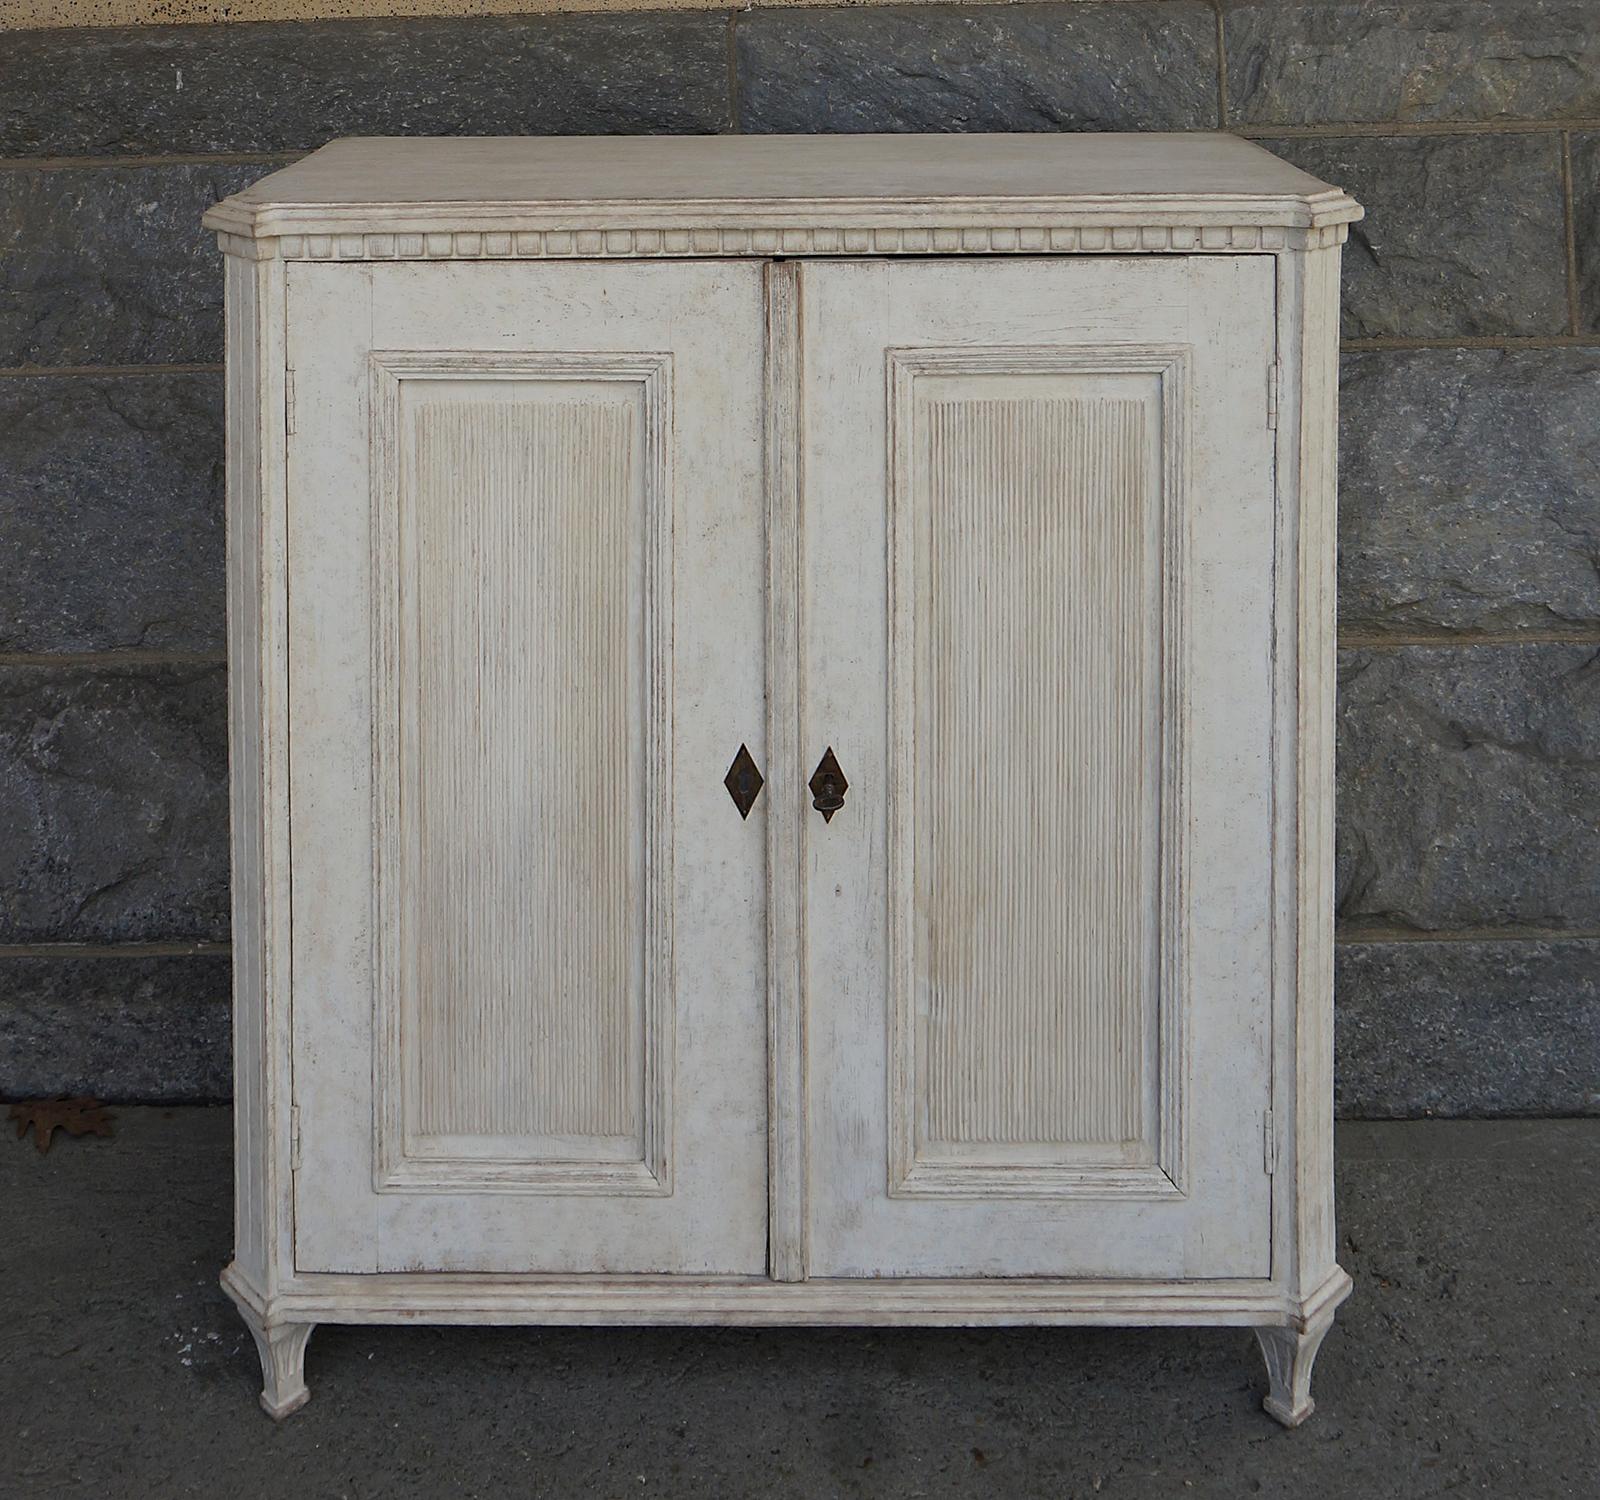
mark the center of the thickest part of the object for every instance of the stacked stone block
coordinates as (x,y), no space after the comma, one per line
(1469,771)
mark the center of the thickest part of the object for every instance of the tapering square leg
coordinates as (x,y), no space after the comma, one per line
(1289,1354)
(282,1347)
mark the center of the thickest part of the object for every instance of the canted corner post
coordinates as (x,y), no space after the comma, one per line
(1290,1353)
(282,1347)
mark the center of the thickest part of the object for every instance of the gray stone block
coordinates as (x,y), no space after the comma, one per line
(109,265)
(1586,227)
(292,86)
(111,508)
(1464,234)
(1469,784)
(1131,65)
(113,805)
(1326,61)
(117,1027)
(1467,1028)
(1469,490)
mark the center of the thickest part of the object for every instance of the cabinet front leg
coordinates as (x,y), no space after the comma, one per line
(283,1365)
(1289,1355)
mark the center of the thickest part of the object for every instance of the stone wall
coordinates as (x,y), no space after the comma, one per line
(1469,775)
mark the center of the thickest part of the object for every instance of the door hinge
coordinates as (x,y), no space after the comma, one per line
(288,400)
(1269,1144)
(1272,396)
(294,1138)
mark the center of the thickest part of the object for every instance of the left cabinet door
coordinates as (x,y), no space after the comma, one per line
(525,561)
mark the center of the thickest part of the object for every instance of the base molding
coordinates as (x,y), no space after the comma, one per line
(455,1297)
(1290,1329)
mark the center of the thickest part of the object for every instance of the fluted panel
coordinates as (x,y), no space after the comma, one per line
(522,768)
(1035,765)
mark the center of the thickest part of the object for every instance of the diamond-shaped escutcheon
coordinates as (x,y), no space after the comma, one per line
(828,786)
(743,781)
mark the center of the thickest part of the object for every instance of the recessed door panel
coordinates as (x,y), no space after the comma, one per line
(1027,510)
(524,597)
(528,922)
(1037,623)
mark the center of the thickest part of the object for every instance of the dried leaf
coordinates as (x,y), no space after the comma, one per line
(75,1116)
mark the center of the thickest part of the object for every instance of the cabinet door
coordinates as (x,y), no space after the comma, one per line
(1037,512)
(525,627)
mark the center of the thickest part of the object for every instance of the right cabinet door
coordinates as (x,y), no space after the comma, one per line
(1037,540)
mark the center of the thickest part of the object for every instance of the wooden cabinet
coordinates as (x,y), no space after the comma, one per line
(781,707)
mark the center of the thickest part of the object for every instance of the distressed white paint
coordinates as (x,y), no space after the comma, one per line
(523,602)
(488,459)
(1036,605)
(786,768)
(383,930)
(866,893)
(783,195)
(754,1303)
(520,702)
(1035,765)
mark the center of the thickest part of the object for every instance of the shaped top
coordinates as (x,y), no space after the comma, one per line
(800,184)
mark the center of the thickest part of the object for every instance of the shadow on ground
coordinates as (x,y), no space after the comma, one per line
(1467,1361)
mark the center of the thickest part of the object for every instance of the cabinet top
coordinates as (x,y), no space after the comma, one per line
(840,194)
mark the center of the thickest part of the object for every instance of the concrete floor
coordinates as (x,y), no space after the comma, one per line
(1467,1362)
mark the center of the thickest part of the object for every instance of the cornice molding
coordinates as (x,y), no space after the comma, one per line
(625,243)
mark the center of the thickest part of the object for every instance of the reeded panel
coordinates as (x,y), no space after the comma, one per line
(1030,771)
(1031,629)
(523,582)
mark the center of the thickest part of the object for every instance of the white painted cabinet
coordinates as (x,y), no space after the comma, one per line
(781,711)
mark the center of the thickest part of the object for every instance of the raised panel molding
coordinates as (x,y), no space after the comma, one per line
(1038,1020)
(522,574)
